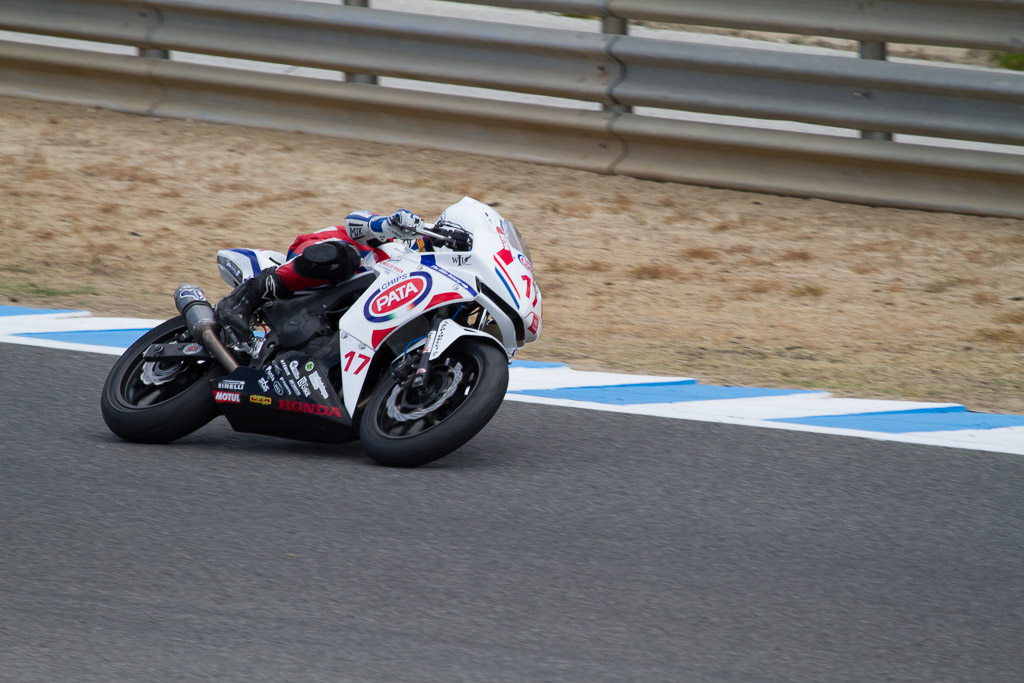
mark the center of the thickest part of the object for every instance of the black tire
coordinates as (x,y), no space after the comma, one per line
(479,388)
(170,410)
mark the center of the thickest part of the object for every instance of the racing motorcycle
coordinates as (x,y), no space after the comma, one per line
(410,357)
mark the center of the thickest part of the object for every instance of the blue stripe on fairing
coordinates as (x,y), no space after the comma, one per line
(251,255)
(21,310)
(119,338)
(905,421)
(536,364)
(454,278)
(510,292)
(657,392)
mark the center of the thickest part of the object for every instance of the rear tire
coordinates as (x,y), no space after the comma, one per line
(467,385)
(164,412)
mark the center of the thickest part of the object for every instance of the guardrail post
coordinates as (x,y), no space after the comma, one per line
(358,78)
(874,50)
(616,27)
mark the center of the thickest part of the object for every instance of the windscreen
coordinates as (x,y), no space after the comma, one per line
(517,241)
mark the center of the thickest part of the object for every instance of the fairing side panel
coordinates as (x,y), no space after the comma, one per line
(405,289)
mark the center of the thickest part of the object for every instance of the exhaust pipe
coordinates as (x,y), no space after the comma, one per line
(198,314)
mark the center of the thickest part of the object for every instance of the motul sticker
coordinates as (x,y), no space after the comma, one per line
(397,297)
(227,397)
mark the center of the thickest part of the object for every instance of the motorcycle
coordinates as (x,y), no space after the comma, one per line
(410,357)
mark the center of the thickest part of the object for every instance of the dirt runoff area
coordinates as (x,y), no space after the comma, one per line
(110,212)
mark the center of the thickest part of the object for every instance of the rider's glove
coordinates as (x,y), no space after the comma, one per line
(401,225)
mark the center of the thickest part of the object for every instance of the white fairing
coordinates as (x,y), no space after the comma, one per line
(238,265)
(495,273)
(500,260)
(446,335)
(411,283)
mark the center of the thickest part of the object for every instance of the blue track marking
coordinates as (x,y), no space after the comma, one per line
(21,310)
(118,338)
(906,421)
(537,364)
(912,422)
(657,392)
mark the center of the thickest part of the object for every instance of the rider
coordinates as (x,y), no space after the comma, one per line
(344,249)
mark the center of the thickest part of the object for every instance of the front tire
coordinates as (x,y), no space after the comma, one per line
(403,427)
(158,413)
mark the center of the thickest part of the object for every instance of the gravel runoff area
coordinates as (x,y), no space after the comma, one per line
(110,212)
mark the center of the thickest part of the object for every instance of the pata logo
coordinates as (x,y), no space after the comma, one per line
(397,296)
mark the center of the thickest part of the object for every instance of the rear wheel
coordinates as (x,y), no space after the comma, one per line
(158,402)
(402,426)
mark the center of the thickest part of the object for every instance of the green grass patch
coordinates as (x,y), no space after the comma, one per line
(1010,60)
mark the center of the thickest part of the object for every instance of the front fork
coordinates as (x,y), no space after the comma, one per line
(414,374)
(423,369)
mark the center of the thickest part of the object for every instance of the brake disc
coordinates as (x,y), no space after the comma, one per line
(153,374)
(396,414)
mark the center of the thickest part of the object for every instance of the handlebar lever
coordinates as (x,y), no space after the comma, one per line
(430,233)
(459,239)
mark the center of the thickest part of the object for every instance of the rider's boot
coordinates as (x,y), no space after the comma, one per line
(236,310)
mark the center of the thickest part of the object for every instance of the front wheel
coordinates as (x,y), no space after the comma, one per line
(402,426)
(152,402)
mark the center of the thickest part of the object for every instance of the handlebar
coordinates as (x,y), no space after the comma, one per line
(454,238)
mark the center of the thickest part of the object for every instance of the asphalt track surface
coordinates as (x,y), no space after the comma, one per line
(560,544)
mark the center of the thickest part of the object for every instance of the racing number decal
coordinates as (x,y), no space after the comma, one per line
(363,360)
(529,282)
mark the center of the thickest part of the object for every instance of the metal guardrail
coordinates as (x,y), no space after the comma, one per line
(463,52)
(981,24)
(836,91)
(626,70)
(615,70)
